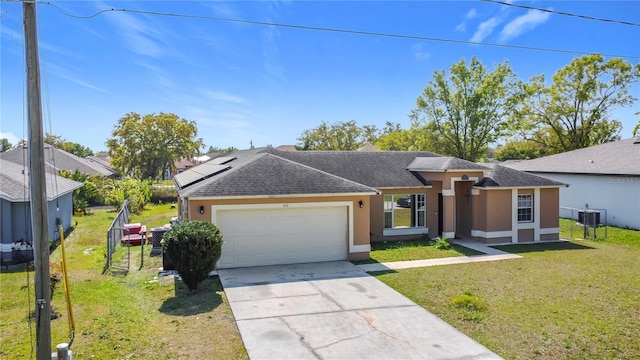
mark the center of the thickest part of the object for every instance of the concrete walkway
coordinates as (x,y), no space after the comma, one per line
(490,254)
(334,310)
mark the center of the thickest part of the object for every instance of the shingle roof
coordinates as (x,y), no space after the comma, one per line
(443,163)
(500,176)
(614,158)
(270,172)
(14,185)
(377,169)
(56,159)
(266,174)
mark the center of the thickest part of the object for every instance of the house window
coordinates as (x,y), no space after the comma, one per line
(525,208)
(402,211)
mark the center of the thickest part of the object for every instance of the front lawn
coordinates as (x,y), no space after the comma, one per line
(136,316)
(390,251)
(574,300)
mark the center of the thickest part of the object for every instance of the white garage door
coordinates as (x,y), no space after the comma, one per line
(283,235)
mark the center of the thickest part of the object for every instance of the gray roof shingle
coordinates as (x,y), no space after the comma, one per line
(377,169)
(14,185)
(265,174)
(615,158)
(56,159)
(501,176)
(270,172)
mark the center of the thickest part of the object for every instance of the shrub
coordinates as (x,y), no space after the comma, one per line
(194,248)
(442,244)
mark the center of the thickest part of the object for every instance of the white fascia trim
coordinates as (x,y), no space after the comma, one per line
(491,234)
(405,231)
(449,234)
(352,247)
(547,231)
(514,215)
(526,225)
(475,191)
(279,196)
(448,192)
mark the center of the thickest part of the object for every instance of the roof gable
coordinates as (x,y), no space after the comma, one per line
(443,163)
(501,176)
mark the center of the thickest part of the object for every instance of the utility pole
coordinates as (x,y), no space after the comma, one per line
(37,185)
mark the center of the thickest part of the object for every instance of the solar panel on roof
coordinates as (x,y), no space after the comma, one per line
(198,173)
(222,160)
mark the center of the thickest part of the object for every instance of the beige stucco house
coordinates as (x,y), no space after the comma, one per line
(279,207)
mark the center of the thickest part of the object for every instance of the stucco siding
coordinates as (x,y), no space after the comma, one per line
(499,212)
(549,208)
(5,216)
(525,235)
(550,237)
(619,195)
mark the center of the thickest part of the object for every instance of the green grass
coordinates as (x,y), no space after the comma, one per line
(614,235)
(117,317)
(412,250)
(573,300)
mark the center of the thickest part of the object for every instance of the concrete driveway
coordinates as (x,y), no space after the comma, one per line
(334,310)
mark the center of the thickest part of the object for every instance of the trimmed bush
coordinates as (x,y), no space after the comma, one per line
(193,248)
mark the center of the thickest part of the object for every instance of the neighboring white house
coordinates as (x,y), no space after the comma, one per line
(605,176)
(15,211)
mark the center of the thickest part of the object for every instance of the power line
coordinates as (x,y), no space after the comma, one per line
(563,13)
(335,30)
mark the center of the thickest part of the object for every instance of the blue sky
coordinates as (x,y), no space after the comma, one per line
(242,82)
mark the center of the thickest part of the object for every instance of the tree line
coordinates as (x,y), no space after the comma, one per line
(463,111)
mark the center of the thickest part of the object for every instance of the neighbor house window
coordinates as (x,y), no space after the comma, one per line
(525,208)
(405,211)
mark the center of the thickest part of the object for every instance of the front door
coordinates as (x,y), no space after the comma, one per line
(463,211)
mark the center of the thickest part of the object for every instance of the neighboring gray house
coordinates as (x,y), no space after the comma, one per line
(605,176)
(56,160)
(15,212)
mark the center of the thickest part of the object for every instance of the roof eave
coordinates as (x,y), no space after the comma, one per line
(280,196)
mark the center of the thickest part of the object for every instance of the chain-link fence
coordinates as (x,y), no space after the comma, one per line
(115,232)
(584,223)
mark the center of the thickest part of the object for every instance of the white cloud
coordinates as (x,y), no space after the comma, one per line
(485,29)
(223,96)
(419,53)
(9,136)
(523,23)
(471,14)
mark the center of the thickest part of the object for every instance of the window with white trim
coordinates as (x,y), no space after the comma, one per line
(525,208)
(402,211)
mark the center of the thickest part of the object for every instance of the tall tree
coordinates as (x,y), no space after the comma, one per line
(574,111)
(143,146)
(636,129)
(5,145)
(338,136)
(469,107)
